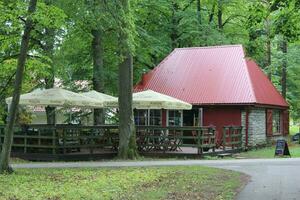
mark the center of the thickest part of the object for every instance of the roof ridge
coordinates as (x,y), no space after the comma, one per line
(164,60)
(210,47)
(249,78)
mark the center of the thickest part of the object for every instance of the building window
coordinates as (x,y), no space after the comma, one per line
(141,117)
(276,122)
(155,117)
(175,118)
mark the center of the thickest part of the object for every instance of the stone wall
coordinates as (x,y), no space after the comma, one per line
(257,127)
(243,124)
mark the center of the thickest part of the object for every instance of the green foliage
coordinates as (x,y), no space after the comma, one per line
(48,16)
(286,21)
(37,65)
(124,183)
(151,30)
(24,116)
(294,129)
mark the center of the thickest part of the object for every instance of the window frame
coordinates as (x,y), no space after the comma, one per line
(181,117)
(277,122)
(137,116)
(151,117)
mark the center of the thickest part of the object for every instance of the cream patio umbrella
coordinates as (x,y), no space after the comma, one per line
(57,97)
(108,101)
(153,100)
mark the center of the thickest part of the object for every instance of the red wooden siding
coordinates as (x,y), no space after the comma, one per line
(269,121)
(220,117)
(285,118)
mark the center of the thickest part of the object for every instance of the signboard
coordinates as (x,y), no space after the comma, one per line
(282,148)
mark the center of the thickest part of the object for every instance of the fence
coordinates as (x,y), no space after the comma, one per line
(62,139)
(232,137)
(91,140)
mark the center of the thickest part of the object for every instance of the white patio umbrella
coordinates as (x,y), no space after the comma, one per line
(153,100)
(57,97)
(108,101)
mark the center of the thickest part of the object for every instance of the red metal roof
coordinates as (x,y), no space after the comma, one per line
(265,91)
(211,75)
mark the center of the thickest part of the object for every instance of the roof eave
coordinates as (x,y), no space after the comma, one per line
(242,104)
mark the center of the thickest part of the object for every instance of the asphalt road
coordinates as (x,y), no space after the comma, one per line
(271,179)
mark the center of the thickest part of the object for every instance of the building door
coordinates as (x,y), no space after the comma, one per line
(193,117)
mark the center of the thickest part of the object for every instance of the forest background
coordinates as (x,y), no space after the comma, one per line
(75,42)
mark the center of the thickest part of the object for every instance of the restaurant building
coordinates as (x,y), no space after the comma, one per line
(225,89)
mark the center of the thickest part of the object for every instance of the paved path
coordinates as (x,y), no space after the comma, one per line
(271,179)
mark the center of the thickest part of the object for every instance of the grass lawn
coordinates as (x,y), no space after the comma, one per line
(268,152)
(193,182)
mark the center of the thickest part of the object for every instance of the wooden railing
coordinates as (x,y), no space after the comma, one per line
(68,139)
(232,137)
(61,139)
(173,138)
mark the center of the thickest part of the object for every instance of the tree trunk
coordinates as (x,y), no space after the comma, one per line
(127,139)
(268,58)
(8,139)
(268,48)
(97,52)
(220,15)
(199,11)
(49,81)
(50,115)
(212,12)
(283,47)
(127,145)
(174,26)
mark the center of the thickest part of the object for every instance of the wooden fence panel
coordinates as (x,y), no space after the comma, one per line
(232,137)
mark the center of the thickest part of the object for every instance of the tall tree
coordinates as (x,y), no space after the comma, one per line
(48,49)
(284,47)
(91,35)
(97,53)
(199,11)
(97,49)
(6,147)
(288,29)
(220,14)
(260,24)
(127,143)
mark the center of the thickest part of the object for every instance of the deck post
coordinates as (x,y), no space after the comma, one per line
(224,138)
(214,138)
(53,141)
(64,141)
(25,142)
(199,135)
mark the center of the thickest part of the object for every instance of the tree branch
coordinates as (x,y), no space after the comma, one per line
(10,78)
(230,18)
(16,55)
(188,5)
